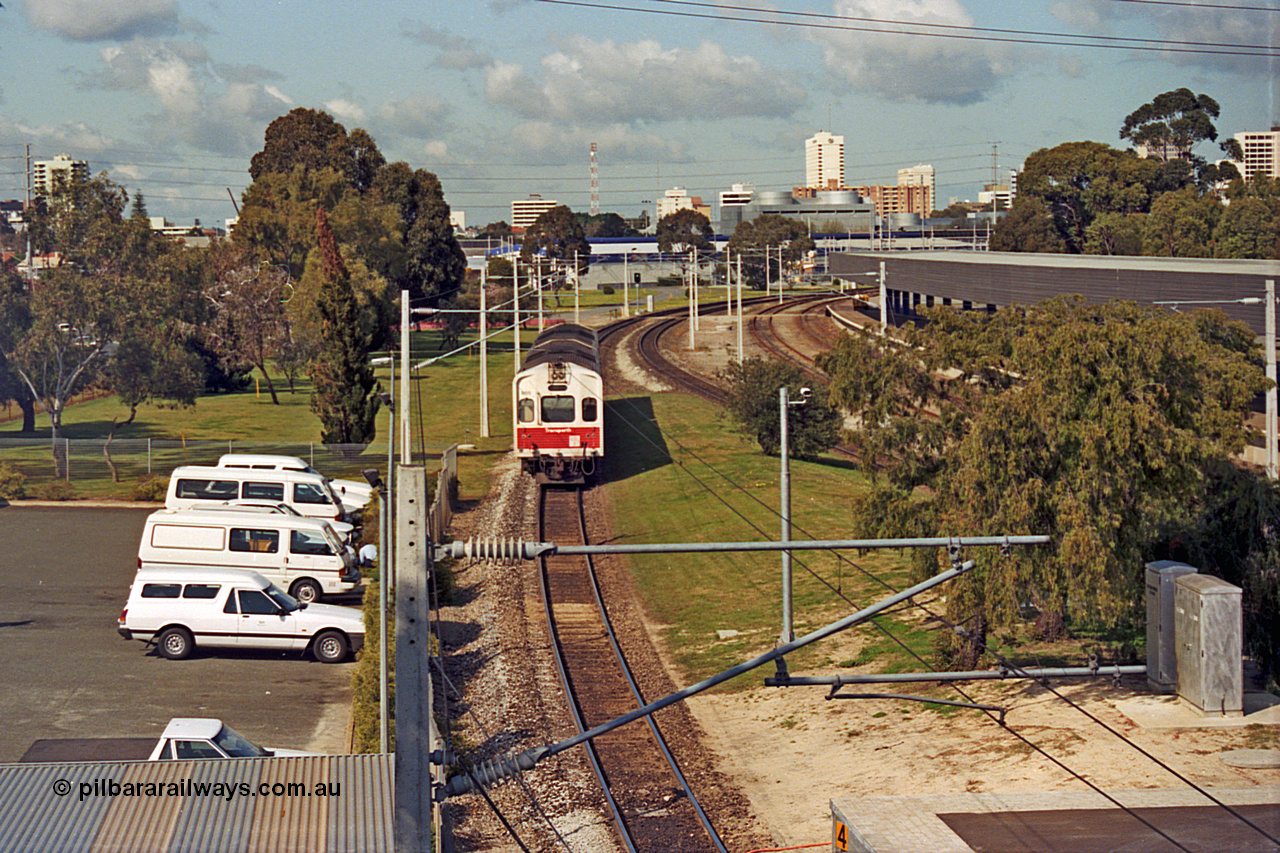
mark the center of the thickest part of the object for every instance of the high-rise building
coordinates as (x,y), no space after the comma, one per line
(525,211)
(1261,153)
(679,199)
(920,176)
(824,161)
(46,174)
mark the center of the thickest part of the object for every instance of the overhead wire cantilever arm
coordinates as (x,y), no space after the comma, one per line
(502,768)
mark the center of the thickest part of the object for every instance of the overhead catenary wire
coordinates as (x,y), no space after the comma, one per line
(906,29)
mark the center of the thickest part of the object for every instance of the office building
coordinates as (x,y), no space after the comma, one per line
(677,199)
(525,211)
(1261,153)
(824,161)
(47,174)
(920,176)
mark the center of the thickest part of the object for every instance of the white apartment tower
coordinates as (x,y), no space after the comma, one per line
(920,176)
(824,161)
(45,174)
(1261,153)
(525,211)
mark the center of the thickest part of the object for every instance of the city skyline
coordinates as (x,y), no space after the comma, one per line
(503,100)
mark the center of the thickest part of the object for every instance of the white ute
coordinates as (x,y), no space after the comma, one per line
(179,609)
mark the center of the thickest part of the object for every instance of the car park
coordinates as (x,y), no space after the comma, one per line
(181,609)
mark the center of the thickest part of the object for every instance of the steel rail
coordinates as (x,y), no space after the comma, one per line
(575,709)
(640,701)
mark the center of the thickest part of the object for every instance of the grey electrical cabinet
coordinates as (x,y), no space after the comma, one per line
(1162,647)
(1209,632)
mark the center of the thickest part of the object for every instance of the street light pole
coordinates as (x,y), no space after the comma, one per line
(1271,374)
(785,403)
(884,304)
(484,355)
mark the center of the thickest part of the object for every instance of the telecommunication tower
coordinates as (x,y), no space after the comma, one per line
(595,183)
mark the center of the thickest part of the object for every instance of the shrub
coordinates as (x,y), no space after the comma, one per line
(13,483)
(607,290)
(150,488)
(54,490)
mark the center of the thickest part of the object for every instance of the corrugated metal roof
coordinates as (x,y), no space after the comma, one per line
(320,804)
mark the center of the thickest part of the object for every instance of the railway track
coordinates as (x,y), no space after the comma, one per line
(652,805)
(807,319)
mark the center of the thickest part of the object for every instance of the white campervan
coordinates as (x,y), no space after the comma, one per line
(180,609)
(353,493)
(310,494)
(302,555)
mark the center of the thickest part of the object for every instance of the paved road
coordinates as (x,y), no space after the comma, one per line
(65,672)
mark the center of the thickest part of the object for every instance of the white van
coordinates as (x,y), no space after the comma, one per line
(308,493)
(179,609)
(353,493)
(344,531)
(302,555)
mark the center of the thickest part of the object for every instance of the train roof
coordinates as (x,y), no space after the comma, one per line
(573,354)
(569,331)
(567,342)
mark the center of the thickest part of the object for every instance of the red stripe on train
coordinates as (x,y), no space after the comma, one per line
(558,438)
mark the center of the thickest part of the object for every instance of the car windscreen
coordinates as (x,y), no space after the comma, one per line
(237,745)
(282,598)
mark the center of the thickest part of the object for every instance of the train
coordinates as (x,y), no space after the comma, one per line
(557,402)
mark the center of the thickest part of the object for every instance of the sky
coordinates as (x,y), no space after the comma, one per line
(502,99)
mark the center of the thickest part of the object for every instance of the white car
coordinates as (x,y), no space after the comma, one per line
(206,737)
(180,609)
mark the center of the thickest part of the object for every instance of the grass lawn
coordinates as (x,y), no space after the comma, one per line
(697,481)
(445,411)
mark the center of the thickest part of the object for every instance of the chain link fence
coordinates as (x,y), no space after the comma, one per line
(83,462)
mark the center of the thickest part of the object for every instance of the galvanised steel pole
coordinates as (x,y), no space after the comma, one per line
(788,634)
(484,355)
(1271,374)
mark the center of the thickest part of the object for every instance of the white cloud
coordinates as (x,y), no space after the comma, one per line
(345,110)
(94,20)
(608,81)
(278,95)
(437,149)
(886,62)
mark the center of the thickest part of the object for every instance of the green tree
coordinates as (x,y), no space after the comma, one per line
(1078,181)
(346,393)
(434,263)
(250,323)
(607,225)
(15,320)
(1097,425)
(1250,225)
(1181,225)
(1115,234)
(752,404)
(684,230)
(559,235)
(1028,227)
(311,140)
(1172,124)
(757,243)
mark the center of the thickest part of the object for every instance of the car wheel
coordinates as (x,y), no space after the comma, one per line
(330,647)
(306,591)
(175,643)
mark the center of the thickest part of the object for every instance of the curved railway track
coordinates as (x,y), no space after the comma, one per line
(652,805)
(807,319)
